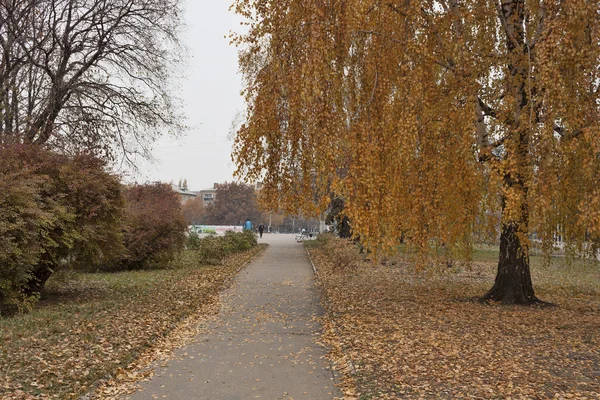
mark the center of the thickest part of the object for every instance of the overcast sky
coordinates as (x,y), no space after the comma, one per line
(211,100)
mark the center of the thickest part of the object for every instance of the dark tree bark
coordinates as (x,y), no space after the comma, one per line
(345,229)
(39,278)
(335,214)
(513,280)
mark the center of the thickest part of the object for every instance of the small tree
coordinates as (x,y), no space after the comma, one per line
(154,226)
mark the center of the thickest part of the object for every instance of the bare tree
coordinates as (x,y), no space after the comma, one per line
(90,74)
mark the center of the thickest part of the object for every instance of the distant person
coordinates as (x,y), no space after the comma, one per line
(248,225)
(261,229)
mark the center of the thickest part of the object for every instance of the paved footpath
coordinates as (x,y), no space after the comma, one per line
(261,344)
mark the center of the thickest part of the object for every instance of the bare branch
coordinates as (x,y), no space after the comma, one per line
(93,68)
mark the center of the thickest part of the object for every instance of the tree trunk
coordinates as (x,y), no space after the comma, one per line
(345,229)
(513,279)
(36,283)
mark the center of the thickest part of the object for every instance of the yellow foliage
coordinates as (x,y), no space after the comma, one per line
(431,119)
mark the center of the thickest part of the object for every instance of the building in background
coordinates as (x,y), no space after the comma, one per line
(184,194)
(208,195)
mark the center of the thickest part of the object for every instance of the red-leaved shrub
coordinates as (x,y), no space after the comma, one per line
(154,226)
(55,211)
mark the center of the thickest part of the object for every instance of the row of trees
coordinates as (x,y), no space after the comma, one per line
(427,117)
(61,212)
(234,203)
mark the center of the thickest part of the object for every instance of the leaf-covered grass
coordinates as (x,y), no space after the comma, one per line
(399,334)
(563,276)
(90,326)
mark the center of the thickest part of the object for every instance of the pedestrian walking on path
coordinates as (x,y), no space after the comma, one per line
(261,229)
(261,344)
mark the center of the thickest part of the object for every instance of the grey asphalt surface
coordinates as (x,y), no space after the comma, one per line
(262,343)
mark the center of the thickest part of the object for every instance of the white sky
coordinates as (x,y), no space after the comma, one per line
(211,98)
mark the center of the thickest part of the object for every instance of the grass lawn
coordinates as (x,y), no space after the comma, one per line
(398,334)
(90,327)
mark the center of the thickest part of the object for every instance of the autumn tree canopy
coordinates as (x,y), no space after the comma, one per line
(234,203)
(424,116)
(193,210)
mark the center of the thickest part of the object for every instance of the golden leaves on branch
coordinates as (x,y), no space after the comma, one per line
(375,102)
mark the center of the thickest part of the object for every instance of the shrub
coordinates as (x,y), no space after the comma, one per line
(234,242)
(324,238)
(54,211)
(250,237)
(154,227)
(213,249)
(192,242)
(97,201)
(22,216)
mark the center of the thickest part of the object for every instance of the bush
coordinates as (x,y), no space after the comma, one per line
(55,211)
(154,227)
(22,216)
(213,249)
(250,237)
(234,242)
(192,242)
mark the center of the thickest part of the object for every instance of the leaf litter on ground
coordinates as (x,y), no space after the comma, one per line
(397,334)
(96,335)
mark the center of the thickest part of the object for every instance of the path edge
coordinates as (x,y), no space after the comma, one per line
(335,328)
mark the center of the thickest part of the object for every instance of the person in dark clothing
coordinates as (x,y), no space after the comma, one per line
(261,229)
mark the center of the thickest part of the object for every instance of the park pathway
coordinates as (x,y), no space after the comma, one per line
(262,343)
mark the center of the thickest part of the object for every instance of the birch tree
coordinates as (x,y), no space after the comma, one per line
(427,115)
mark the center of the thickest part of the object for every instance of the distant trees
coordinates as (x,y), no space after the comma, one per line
(193,211)
(87,74)
(234,203)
